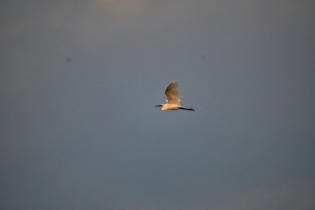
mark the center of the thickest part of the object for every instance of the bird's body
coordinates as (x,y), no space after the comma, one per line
(173,102)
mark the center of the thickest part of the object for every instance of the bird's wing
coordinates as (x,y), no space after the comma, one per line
(171,93)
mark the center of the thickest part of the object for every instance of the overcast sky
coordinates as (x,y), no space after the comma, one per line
(78,85)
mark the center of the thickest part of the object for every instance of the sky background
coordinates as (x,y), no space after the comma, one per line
(78,85)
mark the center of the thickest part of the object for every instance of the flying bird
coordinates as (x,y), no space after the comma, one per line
(172,102)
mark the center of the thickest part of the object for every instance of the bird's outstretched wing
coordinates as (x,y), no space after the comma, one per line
(171,93)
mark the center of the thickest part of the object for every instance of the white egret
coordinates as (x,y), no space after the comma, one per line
(172,102)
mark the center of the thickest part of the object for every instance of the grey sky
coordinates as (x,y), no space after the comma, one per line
(78,85)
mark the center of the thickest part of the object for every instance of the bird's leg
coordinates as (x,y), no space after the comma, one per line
(189,109)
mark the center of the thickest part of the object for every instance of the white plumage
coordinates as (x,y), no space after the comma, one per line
(173,102)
